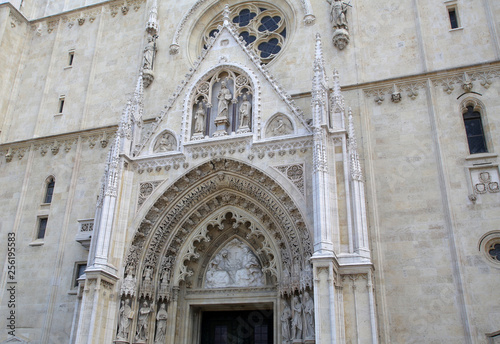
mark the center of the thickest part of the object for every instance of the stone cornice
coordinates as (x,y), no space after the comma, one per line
(53,143)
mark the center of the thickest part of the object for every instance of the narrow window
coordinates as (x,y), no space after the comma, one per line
(452,12)
(50,190)
(71,56)
(42,225)
(474,130)
(79,271)
(61,104)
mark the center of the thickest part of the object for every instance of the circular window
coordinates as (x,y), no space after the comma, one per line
(262,26)
(489,245)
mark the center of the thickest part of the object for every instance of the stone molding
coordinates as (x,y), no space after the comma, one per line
(448,81)
(83,14)
(56,144)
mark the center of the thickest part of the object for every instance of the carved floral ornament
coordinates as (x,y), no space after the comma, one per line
(175,234)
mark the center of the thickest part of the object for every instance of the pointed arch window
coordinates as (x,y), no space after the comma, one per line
(474,130)
(49,190)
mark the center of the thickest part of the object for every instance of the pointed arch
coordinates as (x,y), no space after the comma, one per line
(203,6)
(50,183)
(193,94)
(169,236)
(475,122)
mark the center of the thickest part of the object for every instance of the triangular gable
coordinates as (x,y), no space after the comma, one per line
(211,59)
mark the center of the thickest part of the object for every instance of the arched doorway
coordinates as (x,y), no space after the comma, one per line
(224,248)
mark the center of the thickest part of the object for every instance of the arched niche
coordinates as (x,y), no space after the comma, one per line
(279,125)
(164,142)
(221,102)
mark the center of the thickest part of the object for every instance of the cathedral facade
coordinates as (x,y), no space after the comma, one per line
(249,172)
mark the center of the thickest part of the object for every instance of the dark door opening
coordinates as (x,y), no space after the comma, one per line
(237,327)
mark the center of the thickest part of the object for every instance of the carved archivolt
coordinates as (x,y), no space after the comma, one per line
(168,242)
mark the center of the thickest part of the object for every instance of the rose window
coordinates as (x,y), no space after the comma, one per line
(261,25)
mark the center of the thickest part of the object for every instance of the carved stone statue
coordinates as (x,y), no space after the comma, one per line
(245,110)
(224,97)
(142,323)
(308,316)
(161,325)
(125,320)
(199,119)
(128,286)
(234,266)
(147,283)
(338,17)
(338,14)
(297,318)
(149,53)
(165,144)
(285,323)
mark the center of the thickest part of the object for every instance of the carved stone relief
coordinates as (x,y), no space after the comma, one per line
(166,142)
(485,180)
(145,190)
(280,125)
(234,266)
(294,173)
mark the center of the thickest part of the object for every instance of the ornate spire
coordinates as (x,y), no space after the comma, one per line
(319,87)
(355,165)
(337,103)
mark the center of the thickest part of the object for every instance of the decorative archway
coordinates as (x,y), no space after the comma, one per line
(216,204)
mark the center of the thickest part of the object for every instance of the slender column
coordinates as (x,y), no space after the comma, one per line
(357,187)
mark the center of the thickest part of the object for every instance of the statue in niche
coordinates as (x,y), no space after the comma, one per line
(126,316)
(161,325)
(279,126)
(234,266)
(147,282)
(308,315)
(285,323)
(149,53)
(165,144)
(142,322)
(224,97)
(245,110)
(297,318)
(199,119)
(128,286)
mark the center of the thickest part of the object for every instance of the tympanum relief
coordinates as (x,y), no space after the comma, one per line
(222,105)
(280,125)
(166,142)
(234,266)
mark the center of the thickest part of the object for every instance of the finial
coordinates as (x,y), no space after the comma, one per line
(226,14)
